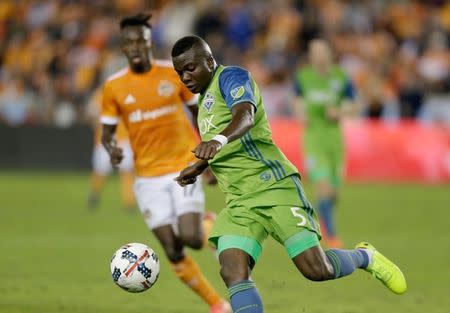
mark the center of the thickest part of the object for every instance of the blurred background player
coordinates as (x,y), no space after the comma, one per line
(149,97)
(101,164)
(324,95)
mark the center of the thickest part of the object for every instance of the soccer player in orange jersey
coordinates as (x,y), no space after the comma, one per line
(101,165)
(149,98)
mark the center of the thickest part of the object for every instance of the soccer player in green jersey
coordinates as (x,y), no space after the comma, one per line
(324,95)
(264,195)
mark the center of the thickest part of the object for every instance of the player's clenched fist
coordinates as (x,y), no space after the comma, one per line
(207,149)
(116,156)
(188,175)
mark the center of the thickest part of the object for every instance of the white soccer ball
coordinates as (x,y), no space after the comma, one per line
(135,267)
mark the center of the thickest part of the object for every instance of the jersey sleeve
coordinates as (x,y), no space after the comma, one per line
(236,86)
(110,109)
(188,97)
(349,90)
(298,87)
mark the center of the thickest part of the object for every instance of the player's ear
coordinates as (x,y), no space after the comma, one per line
(210,62)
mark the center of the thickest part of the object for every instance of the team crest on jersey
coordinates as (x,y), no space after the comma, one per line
(265,176)
(208,101)
(237,92)
(165,88)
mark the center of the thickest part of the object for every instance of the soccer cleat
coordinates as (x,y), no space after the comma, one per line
(221,307)
(384,269)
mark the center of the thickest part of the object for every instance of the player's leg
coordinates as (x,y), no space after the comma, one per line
(126,190)
(188,271)
(194,224)
(336,157)
(155,203)
(189,205)
(126,168)
(318,265)
(235,271)
(155,200)
(300,235)
(96,187)
(296,228)
(237,236)
(101,167)
(326,203)
(191,230)
(173,247)
(320,171)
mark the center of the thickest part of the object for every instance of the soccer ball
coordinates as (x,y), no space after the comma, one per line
(135,267)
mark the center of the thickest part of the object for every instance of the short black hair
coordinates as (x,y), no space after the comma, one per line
(186,43)
(140,19)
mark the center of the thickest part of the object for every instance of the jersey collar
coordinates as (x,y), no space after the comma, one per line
(212,79)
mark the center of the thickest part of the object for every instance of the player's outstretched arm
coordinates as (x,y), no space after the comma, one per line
(189,174)
(108,141)
(241,122)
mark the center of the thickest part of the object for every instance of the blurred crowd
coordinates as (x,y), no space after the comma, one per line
(55,53)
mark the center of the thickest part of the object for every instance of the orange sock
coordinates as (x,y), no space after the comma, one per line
(189,272)
(126,180)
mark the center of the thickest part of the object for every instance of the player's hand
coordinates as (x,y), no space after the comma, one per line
(333,113)
(209,177)
(188,175)
(116,156)
(207,149)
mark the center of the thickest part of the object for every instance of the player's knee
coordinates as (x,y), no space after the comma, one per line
(174,255)
(231,273)
(192,240)
(318,272)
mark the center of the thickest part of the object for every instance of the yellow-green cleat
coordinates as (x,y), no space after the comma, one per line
(384,269)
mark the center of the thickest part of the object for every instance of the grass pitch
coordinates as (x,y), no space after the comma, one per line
(54,253)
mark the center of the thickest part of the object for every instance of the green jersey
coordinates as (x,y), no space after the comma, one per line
(248,169)
(323,142)
(319,92)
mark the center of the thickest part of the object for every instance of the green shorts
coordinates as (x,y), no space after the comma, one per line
(244,227)
(324,166)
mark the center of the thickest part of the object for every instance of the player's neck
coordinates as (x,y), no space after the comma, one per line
(142,68)
(323,70)
(216,66)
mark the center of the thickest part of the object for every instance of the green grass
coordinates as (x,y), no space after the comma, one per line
(54,254)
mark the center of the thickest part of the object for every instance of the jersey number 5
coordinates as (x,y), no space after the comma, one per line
(295,212)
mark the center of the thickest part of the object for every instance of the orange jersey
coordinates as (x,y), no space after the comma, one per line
(95,106)
(152,107)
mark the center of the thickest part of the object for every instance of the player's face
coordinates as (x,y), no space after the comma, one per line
(136,43)
(195,68)
(320,54)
